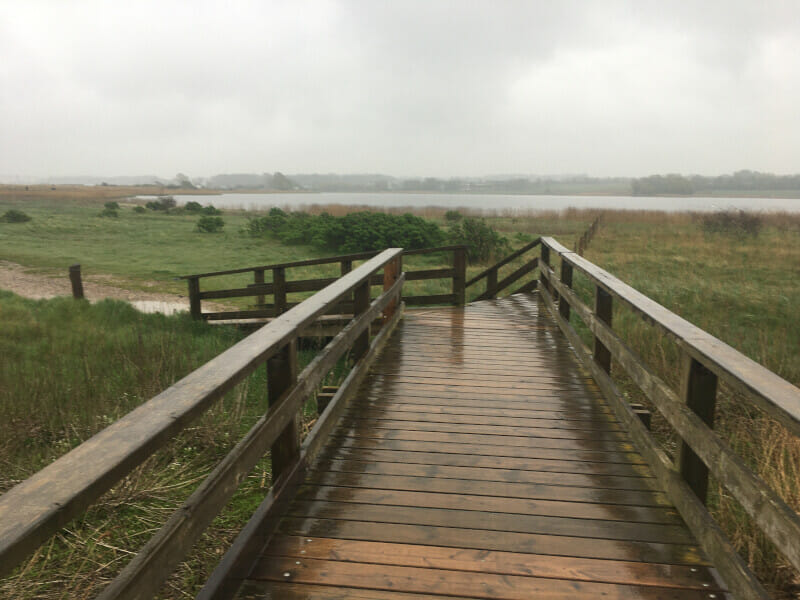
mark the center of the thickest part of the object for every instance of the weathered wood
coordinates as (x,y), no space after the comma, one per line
(75,280)
(774,395)
(258,280)
(566,279)
(603,308)
(491,285)
(511,257)
(391,272)
(544,261)
(34,509)
(777,520)
(360,304)
(281,377)
(239,559)
(700,394)
(194,298)
(736,573)
(279,289)
(251,290)
(459,276)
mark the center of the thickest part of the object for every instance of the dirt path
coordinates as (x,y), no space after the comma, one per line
(18,279)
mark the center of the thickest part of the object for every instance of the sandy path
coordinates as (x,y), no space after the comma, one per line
(18,279)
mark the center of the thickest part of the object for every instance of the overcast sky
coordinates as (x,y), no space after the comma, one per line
(403,87)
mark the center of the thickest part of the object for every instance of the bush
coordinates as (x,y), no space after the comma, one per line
(111,205)
(453,215)
(109,212)
(163,203)
(14,216)
(354,232)
(210,210)
(481,240)
(139,209)
(193,207)
(208,224)
(732,222)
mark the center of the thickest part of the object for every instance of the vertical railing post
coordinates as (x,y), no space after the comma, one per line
(545,261)
(281,376)
(279,289)
(391,271)
(603,308)
(345,267)
(258,279)
(361,304)
(700,393)
(194,298)
(491,283)
(566,279)
(75,280)
(459,275)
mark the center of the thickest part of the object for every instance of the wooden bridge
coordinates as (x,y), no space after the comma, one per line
(472,451)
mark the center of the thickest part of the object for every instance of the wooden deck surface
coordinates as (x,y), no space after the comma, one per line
(480,461)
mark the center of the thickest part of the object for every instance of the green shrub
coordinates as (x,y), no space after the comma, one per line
(453,215)
(163,203)
(208,224)
(14,216)
(354,232)
(193,207)
(481,240)
(111,205)
(733,222)
(210,210)
(109,212)
(139,209)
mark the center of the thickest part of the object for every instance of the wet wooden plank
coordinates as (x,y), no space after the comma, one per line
(524,506)
(501,563)
(532,543)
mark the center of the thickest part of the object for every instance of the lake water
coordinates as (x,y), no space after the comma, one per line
(490,203)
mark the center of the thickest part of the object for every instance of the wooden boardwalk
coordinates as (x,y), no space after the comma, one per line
(479,460)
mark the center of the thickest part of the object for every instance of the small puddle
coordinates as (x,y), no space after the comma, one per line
(157,306)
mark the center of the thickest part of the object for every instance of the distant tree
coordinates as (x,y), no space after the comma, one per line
(281,182)
(193,207)
(482,241)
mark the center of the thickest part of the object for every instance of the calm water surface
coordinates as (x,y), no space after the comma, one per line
(490,202)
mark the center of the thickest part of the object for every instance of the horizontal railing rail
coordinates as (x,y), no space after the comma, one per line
(493,287)
(279,286)
(706,360)
(38,507)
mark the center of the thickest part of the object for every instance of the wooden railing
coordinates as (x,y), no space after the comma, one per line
(490,274)
(690,412)
(35,509)
(278,287)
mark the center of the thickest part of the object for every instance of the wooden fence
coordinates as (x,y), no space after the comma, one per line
(278,287)
(706,360)
(35,509)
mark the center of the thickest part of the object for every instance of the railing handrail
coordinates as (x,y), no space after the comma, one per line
(776,396)
(319,261)
(503,262)
(34,509)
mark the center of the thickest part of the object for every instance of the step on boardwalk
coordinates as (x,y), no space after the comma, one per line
(479,461)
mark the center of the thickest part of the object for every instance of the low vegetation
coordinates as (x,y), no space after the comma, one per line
(14,216)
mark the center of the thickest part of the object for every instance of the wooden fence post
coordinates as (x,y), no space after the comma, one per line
(75,279)
(603,305)
(279,288)
(491,283)
(460,276)
(566,279)
(699,389)
(194,298)
(258,279)
(281,376)
(391,271)
(546,261)
(361,304)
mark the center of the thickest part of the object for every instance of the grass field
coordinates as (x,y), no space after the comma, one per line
(742,289)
